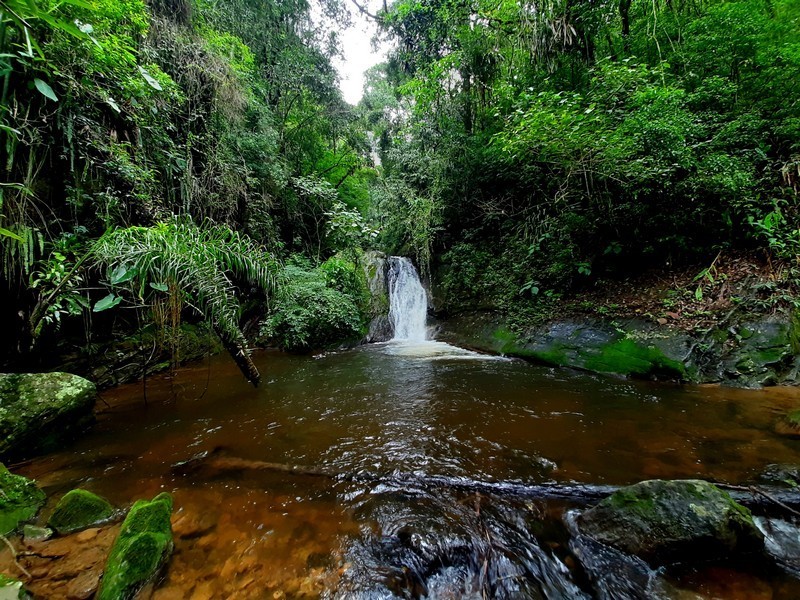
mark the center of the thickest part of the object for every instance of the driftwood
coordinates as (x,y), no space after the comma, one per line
(762,499)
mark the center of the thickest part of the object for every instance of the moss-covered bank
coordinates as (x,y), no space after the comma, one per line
(753,353)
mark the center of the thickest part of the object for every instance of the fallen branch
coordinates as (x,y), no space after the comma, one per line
(14,556)
(215,464)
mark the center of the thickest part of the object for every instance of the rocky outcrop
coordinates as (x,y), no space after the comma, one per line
(20,500)
(759,352)
(140,551)
(664,520)
(79,509)
(375,267)
(38,411)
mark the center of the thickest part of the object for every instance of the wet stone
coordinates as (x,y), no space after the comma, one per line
(34,533)
(662,520)
(20,500)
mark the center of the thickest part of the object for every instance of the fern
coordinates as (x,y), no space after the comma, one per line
(202,263)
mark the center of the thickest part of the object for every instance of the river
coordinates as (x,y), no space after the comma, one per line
(390,418)
(384,471)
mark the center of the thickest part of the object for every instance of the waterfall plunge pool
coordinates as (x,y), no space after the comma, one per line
(407,413)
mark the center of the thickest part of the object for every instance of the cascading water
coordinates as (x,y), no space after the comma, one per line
(408,301)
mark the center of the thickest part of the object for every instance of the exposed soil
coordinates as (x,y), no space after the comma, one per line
(694,298)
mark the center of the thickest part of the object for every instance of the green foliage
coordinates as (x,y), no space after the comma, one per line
(605,137)
(20,500)
(122,114)
(318,308)
(198,264)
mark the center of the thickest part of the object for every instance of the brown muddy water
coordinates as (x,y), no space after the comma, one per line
(383,422)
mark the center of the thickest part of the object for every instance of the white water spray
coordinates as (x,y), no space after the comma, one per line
(408,302)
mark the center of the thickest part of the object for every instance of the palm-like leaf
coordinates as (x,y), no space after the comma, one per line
(201,262)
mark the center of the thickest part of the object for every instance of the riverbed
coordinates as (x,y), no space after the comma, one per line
(362,441)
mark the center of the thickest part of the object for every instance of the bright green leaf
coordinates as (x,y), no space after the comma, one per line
(152,82)
(6,233)
(109,301)
(45,89)
(122,274)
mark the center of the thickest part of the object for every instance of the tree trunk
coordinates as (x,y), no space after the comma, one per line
(241,357)
(625,15)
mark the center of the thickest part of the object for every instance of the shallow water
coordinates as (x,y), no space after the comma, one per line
(382,423)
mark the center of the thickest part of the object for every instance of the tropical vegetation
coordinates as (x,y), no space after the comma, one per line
(198,155)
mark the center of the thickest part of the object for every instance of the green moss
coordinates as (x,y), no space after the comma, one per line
(627,357)
(661,519)
(39,410)
(79,509)
(793,418)
(630,499)
(141,549)
(20,500)
(507,343)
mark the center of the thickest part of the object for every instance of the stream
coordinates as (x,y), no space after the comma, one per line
(389,418)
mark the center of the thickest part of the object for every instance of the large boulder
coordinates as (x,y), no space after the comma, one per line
(40,410)
(660,521)
(140,551)
(20,500)
(79,509)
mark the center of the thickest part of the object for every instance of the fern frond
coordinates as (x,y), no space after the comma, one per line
(202,262)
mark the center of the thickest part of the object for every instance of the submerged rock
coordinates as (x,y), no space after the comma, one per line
(40,410)
(789,424)
(20,500)
(663,520)
(140,551)
(34,533)
(79,509)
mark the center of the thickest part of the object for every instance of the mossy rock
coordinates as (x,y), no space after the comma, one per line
(11,589)
(785,475)
(140,551)
(661,521)
(79,509)
(20,500)
(631,358)
(38,411)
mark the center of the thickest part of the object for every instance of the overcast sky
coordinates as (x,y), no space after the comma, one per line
(358,53)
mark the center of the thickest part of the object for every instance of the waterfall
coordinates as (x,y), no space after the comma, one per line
(408,302)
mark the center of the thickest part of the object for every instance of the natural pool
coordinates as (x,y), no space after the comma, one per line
(376,430)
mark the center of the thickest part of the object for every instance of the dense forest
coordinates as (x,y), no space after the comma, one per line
(556,219)
(180,160)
